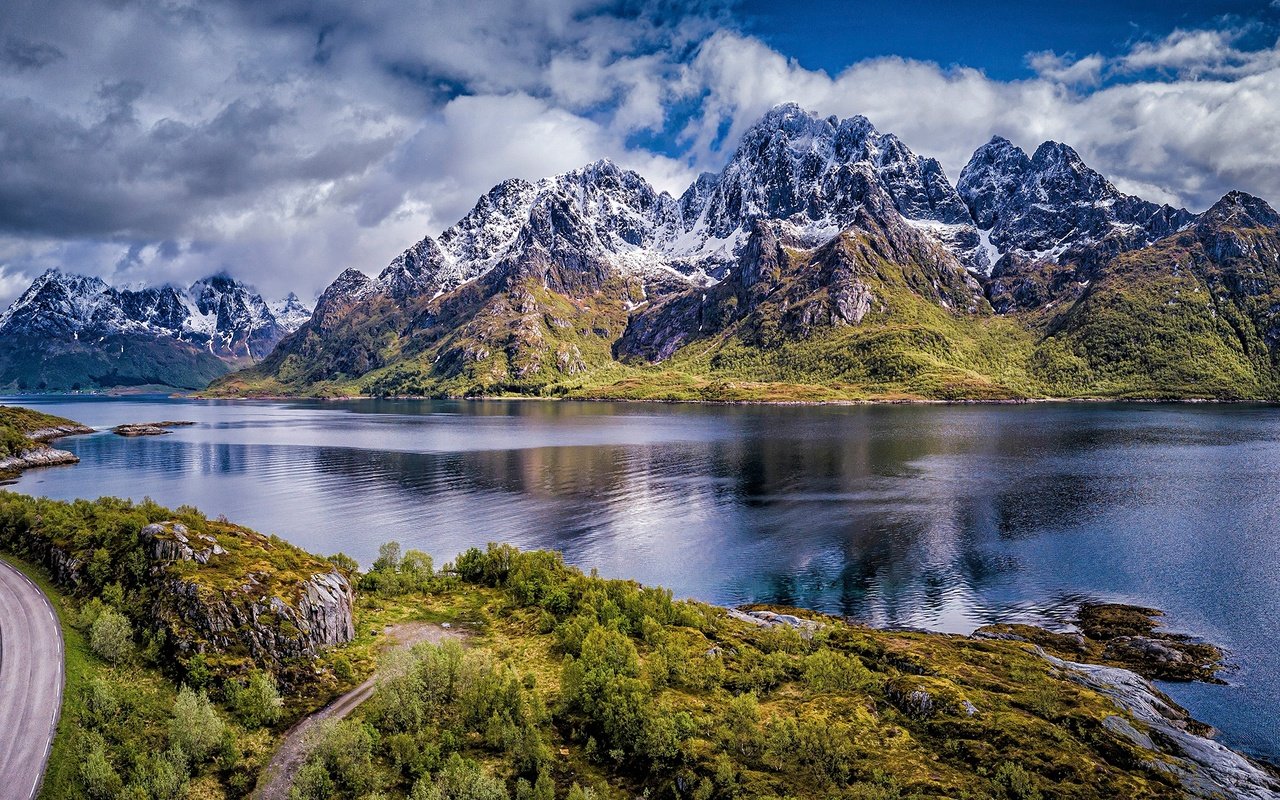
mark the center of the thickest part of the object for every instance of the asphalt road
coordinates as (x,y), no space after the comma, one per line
(31,681)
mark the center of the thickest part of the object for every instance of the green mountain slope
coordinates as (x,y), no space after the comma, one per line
(40,364)
(1193,316)
(882,311)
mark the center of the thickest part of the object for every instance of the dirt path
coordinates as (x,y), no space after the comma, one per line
(278,777)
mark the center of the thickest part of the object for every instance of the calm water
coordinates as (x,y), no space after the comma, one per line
(941,517)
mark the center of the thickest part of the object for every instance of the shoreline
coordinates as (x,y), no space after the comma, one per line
(1180,744)
(894,401)
(671,401)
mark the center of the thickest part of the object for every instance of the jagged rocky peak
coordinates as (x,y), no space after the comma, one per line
(290,313)
(421,268)
(602,212)
(994,172)
(1241,226)
(1052,204)
(797,166)
(55,303)
(225,316)
(349,287)
(1240,210)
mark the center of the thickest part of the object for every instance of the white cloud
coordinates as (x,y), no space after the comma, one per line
(287,141)
(1085,71)
(1188,140)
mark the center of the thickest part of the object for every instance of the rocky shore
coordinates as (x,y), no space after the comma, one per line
(39,454)
(36,457)
(1126,650)
(1118,651)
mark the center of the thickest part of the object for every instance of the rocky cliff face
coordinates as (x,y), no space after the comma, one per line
(232,595)
(270,618)
(779,288)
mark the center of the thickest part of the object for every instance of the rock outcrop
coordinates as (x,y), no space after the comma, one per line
(229,594)
(37,457)
(270,616)
(1206,769)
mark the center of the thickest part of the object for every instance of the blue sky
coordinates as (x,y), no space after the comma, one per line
(986,34)
(164,140)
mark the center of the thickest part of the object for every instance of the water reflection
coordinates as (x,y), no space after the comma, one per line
(943,517)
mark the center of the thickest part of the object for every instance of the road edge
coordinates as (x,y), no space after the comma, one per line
(8,562)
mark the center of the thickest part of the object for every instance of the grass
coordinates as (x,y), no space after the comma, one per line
(848,698)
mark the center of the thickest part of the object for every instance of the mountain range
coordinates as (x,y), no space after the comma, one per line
(73,332)
(825,261)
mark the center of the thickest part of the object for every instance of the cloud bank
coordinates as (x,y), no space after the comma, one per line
(162,140)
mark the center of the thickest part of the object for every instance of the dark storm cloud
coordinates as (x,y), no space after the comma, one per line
(23,54)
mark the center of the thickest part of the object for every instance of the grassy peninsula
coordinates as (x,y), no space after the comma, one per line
(563,685)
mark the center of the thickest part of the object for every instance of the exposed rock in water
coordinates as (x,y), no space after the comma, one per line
(1118,648)
(148,428)
(1123,636)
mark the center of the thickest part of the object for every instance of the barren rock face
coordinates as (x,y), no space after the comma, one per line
(270,619)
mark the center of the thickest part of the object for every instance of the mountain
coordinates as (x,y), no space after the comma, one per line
(1048,211)
(77,332)
(1196,314)
(826,260)
(812,173)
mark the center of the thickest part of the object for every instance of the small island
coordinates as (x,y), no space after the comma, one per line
(149,428)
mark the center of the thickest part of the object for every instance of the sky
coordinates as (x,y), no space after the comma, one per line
(284,141)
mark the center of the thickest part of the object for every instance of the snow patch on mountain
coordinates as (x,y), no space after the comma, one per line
(1050,204)
(225,316)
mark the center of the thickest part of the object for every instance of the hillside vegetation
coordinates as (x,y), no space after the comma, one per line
(565,685)
(881,312)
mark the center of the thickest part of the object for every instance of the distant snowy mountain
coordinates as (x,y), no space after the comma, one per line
(211,325)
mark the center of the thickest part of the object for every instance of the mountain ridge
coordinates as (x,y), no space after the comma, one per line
(875,275)
(69,331)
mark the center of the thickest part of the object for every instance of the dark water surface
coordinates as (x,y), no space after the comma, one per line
(937,516)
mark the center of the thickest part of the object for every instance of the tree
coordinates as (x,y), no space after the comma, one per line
(101,781)
(388,557)
(259,703)
(345,748)
(195,728)
(460,779)
(312,783)
(111,636)
(164,776)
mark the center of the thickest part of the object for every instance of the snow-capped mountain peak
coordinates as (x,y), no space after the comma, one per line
(219,313)
(1051,203)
